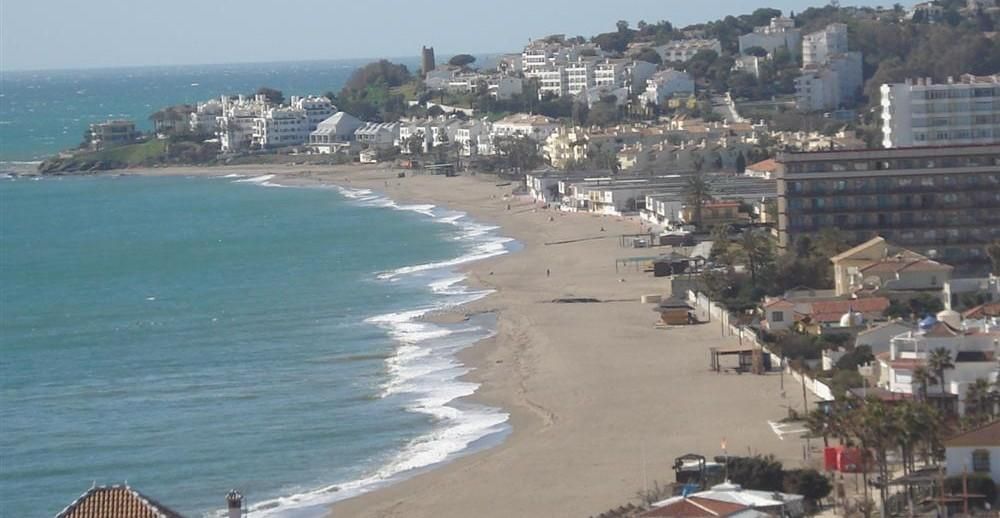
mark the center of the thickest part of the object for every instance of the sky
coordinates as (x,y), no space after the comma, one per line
(59,34)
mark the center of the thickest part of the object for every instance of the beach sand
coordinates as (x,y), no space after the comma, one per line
(601,401)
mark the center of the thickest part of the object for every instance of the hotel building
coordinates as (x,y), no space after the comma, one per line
(922,113)
(943,202)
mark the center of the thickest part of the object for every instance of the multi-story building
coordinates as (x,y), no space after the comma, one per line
(922,113)
(552,80)
(831,85)
(377,135)
(504,87)
(781,32)
(536,127)
(579,76)
(280,127)
(819,46)
(943,202)
(112,133)
(204,118)
(664,84)
(682,50)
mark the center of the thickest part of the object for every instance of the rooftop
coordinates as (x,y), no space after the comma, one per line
(986,435)
(116,502)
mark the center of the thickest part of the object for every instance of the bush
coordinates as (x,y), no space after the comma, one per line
(763,473)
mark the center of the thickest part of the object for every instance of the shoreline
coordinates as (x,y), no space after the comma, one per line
(600,401)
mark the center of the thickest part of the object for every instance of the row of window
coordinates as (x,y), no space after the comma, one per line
(892,164)
(901,183)
(962,93)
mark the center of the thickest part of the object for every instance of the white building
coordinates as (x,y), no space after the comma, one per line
(377,135)
(238,121)
(552,80)
(466,136)
(973,347)
(579,76)
(781,32)
(504,87)
(922,113)
(975,452)
(985,288)
(536,127)
(748,64)
(280,127)
(204,119)
(335,133)
(667,83)
(683,50)
(831,85)
(820,46)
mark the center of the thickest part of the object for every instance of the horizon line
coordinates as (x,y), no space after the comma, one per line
(371,59)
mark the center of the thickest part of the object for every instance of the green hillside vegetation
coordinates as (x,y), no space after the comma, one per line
(153,152)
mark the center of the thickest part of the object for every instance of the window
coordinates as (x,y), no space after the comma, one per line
(779,316)
(981,461)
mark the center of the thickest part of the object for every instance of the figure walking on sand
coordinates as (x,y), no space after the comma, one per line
(548,272)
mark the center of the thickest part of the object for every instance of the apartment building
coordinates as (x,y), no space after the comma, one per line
(829,86)
(923,113)
(665,84)
(781,32)
(552,80)
(820,46)
(204,118)
(943,202)
(579,76)
(683,50)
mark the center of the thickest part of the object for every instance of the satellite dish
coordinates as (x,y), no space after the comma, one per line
(872,282)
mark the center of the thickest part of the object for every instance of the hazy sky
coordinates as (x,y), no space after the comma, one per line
(41,34)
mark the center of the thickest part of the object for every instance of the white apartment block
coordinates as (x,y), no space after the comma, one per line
(781,32)
(820,46)
(551,80)
(831,85)
(537,127)
(683,50)
(278,127)
(237,122)
(504,87)
(467,136)
(317,109)
(204,119)
(922,113)
(579,76)
(665,84)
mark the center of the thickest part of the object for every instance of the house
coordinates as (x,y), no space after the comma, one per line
(536,127)
(763,169)
(666,84)
(879,337)
(781,313)
(335,133)
(976,452)
(731,500)
(962,293)
(116,502)
(972,346)
(675,312)
(875,265)
(112,133)
(377,135)
(991,310)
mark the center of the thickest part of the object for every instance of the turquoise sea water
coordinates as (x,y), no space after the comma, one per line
(194,335)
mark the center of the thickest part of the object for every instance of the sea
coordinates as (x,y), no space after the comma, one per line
(188,336)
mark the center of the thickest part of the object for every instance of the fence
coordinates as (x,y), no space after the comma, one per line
(729,325)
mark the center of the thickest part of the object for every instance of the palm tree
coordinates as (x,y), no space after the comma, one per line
(993,250)
(940,361)
(757,249)
(979,399)
(699,190)
(922,376)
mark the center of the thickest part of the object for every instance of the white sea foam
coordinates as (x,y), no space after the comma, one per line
(423,369)
(234,175)
(256,179)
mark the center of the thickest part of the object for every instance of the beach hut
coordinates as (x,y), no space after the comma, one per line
(674,311)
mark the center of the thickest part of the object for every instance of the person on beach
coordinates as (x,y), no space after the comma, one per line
(548,272)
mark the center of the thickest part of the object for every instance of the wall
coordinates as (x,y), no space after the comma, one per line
(958,459)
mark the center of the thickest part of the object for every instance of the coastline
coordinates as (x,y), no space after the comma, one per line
(598,398)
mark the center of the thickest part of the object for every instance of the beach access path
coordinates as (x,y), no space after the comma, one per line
(601,400)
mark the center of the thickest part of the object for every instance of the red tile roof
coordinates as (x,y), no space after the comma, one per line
(892,265)
(116,502)
(942,330)
(984,310)
(831,311)
(986,435)
(769,165)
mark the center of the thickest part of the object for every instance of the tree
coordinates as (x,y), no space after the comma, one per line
(273,96)
(979,400)
(757,51)
(758,252)
(649,56)
(924,378)
(741,163)
(462,60)
(698,191)
(938,362)
(993,250)
(415,143)
(809,483)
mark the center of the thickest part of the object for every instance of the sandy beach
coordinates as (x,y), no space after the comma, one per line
(601,400)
